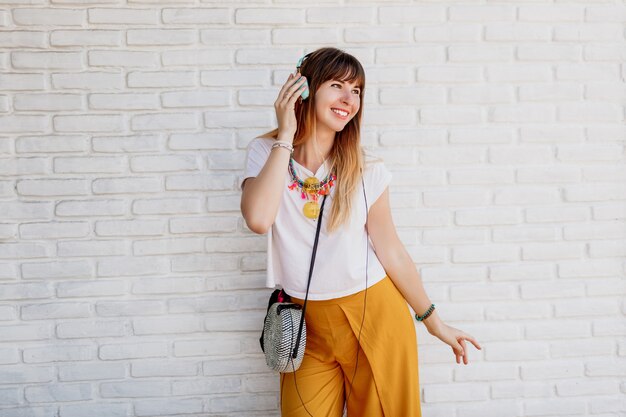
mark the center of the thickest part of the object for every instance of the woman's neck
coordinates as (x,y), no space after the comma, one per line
(311,156)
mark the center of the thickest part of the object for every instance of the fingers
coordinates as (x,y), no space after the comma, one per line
(474,342)
(290,87)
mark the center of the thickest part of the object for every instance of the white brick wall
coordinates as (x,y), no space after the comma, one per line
(130,286)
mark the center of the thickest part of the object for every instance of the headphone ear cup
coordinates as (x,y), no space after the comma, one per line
(305,93)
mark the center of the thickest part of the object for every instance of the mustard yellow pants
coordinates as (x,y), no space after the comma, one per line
(387,378)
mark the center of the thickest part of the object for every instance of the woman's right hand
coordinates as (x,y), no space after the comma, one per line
(285,104)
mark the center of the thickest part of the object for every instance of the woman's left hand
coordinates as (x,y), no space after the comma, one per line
(456,339)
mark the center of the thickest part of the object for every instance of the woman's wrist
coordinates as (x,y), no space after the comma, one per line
(433,323)
(284,137)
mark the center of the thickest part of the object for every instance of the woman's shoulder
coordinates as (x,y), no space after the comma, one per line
(372,160)
(261,142)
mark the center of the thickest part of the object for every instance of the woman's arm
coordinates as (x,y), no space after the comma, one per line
(397,261)
(260,195)
(401,269)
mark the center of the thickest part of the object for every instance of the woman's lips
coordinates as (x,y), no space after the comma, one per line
(340,116)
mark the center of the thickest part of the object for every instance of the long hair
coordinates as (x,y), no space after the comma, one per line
(346,157)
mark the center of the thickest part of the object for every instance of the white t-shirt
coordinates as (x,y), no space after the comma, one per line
(339,268)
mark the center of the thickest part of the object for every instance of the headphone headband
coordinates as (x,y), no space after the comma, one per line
(299,64)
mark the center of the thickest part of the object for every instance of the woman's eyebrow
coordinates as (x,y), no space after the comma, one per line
(343,82)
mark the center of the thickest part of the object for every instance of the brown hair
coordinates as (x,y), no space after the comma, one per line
(346,156)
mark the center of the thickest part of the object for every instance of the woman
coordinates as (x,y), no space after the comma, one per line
(361,348)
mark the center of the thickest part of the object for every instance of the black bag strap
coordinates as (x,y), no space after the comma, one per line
(317,235)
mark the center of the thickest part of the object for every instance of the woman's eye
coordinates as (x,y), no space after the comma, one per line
(357,91)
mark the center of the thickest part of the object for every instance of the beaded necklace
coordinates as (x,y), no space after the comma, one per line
(310,189)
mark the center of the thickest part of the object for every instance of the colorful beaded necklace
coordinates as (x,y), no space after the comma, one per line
(311,189)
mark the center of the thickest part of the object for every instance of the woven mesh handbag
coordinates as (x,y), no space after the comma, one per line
(283,339)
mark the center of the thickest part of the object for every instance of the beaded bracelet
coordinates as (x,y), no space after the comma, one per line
(285,145)
(428,313)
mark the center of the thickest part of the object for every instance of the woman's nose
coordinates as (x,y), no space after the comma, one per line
(348,97)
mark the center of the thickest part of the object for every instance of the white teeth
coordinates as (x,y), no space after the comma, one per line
(343,113)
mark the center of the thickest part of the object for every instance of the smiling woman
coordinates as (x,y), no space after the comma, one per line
(361,349)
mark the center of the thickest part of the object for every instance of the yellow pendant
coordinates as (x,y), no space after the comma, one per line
(311,210)
(311,185)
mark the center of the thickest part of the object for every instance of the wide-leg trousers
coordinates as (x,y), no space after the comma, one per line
(386,382)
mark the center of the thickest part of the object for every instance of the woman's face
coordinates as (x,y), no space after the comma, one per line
(343,96)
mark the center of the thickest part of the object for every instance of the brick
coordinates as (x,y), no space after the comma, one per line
(168,285)
(240,403)
(124,16)
(126,144)
(168,246)
(148,368)
(54,311)
(160,37)
(58,393)
(125,308)
(551,92)
(126,185)
(167,325)
(88,123)
(207,347)
(588,32)
(589,112)
(483,53)
(196,15)
(132,266)
(89,165)
(90,208)
(92,329)
(22,250)
(93,80)
(29,411)
(161,79)
(485,94)
(92,248)
(214,224)
(519,72)
(464,392)
(132,351)
(56,353)
(167,206)
(451,115)
(511,32)
(210,386)
(604,52)
(48,270)
(53,230)
(91,371)
(27,374)
(551,13)
(484,253)
(168,406)
(48,16)
(523,113)
(134,389)
(109,409)
(9,355)
(284,36)
(413,54)
(9,396)
(552,250)
(91,289)
(48,102)
(25,291)
(549,52)
(85,38)
(448,33)
(481,13)
(124,59)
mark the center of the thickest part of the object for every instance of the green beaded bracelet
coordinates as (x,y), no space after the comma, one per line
(425,316)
